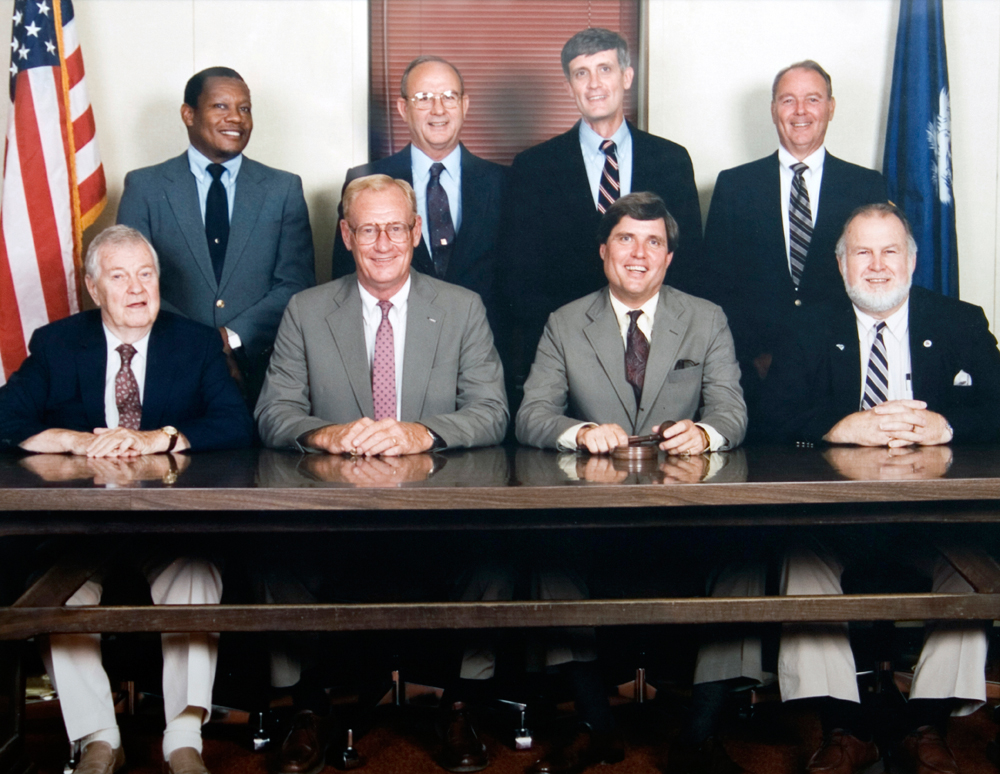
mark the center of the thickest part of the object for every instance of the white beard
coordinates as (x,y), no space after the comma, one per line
(872,302)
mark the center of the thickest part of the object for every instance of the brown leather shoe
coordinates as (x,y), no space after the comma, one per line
(99,758)
(186,760)
(842,753)
(709,757)
(582,750)
(304,749)
(462,749)
(925,751)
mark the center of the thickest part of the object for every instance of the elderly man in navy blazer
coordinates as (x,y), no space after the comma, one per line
(126,380)
(233,235)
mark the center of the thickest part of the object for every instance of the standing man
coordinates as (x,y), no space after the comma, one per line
(560,189)
(902,367)
(233,235)
(773,224)
(458,195)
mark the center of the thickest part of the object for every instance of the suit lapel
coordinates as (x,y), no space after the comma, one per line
(349,339)
(91,368)
(424,321)
(400,167)
(669,326)
(925,359)
(182,194)
(161,366)
(475,201)
(770,207)
(250,194)
(845,360)
(605,337)
(572,178)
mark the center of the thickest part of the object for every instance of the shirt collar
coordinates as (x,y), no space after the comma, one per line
(369,303)
(622,310)
(898,322)
(592,141)
(814,160)
(141,346)
(198,162)
(420,162)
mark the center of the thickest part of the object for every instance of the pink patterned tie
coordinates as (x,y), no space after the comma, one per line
(384,367)
(127,391)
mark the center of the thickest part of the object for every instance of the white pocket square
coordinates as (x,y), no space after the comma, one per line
(963,379)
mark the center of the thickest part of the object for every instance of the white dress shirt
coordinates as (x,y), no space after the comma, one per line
(593,157)
(138,366)
(397,318)
(813,178)
(451,182)
(896,338)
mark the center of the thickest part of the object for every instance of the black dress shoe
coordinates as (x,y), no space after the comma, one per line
(462,749)
(583,749)
(709,757)
(304,749)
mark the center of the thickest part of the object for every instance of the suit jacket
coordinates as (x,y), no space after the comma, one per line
(320,374)
(187,385)
(269,257)
(474,255)
(551,255)
(579,371)
(746,264)
(815,379)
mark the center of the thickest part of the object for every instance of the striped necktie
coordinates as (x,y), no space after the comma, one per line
(800,226)
(877,379)
(609,189)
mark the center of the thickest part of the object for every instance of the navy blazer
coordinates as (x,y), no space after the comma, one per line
(815,379)
(746,263)
(187,384)
(473,261)
(269,257)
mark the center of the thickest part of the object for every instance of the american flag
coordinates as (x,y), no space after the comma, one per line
(53,184)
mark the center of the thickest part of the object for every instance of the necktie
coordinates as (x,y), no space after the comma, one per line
(217,219)
(440,225)
(636,355)
(384,367)
(609,189)
(877,380)
(800,228)
(127,391)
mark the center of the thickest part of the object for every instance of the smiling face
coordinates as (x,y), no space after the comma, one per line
(877,266)
(383,266)
(598,84)
(801,110)
(436,130)
(127,290)
(220,126)
(636,257)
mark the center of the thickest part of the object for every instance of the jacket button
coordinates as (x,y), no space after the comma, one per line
(221,304)
(798,302)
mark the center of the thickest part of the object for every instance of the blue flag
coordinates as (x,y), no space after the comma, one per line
(917,164)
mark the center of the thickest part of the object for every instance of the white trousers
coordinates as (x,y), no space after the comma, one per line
(815,659)
(73,661)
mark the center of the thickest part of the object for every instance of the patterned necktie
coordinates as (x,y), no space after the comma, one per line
(217,219)
(800,228)
(127,390)
(636,355)
(384,367)
(609,189)
(440,225)
(877,379)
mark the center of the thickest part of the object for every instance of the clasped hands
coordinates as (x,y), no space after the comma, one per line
(368,438)
(103,442)
(683,437)
(895,423)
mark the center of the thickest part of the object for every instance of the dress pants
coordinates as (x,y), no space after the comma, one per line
(73,661)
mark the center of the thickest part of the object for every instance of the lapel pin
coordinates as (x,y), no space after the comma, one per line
(928,343)
(840,347)
(431,319)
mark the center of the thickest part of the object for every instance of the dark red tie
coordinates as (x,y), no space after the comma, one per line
(636,355)
(609,189)
(384,367)
(127,391)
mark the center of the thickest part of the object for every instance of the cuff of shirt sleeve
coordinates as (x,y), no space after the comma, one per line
(567,441)
(234,339)
(716,440)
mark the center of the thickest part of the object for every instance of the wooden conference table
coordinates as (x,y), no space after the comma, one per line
(951,494)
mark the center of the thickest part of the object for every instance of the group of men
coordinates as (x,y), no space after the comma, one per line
(797,303)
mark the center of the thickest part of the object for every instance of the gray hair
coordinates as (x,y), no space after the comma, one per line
(882,210)
(424,60)
(109,239)
(592,41)
(805,64)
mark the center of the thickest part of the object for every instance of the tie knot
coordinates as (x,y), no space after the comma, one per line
(879,327)
(385,306)
(609,147)
(634,315)
(216,170)
(798,168)
(126,351)
(436,169)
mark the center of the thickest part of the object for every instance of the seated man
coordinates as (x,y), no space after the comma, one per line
(385,361)
(126,380)
(902,367)
(626,358)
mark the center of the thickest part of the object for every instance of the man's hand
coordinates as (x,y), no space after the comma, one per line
(684,437)
(684,470)
(884,463)
(234,368)
(601,439)
(122,442)
(369,472)
(368,438)
(599,470)
(894,423)
(58,441)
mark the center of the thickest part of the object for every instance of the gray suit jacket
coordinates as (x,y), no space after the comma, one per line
(579,371)
(320,374)
(269,257)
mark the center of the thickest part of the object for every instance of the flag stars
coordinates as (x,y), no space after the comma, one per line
(23,52)
(17,18)
(50,46)
(13,70)
(13,45)
(43,8)
(33,30)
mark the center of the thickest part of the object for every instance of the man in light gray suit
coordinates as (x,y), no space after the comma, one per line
(233,235)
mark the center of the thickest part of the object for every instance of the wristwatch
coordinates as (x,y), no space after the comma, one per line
(172,434)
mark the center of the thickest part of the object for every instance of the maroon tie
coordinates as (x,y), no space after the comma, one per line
(609,189)
(636,355)
(127,391)
(384,367)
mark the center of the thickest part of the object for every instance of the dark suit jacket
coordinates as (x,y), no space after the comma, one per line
(269,258)
(815,379)
(551,255)
(61,384)
(473,261)
(746,266)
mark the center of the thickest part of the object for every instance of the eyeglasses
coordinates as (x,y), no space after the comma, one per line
(368,233)
(423,100)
